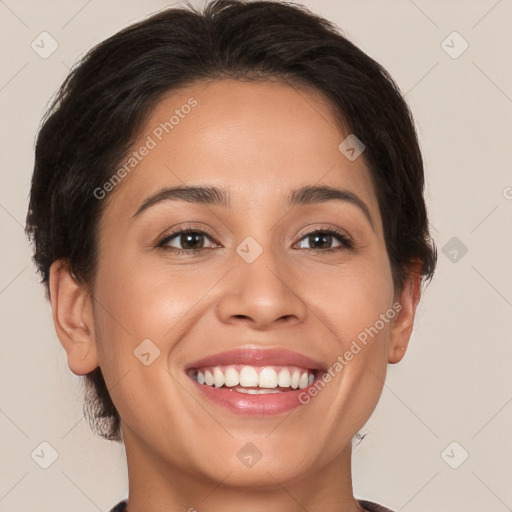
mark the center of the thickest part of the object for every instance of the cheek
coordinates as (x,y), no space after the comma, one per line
(361,313)
(136,301)
(356,303)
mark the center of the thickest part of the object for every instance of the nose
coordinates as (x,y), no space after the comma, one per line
(261,294)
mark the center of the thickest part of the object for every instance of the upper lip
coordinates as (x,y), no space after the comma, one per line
(261,356)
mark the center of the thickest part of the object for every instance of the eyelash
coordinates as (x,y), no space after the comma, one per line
(346,242)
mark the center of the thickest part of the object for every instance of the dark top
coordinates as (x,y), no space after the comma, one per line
(367,505)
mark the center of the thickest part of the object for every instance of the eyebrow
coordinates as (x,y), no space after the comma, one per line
(309,194)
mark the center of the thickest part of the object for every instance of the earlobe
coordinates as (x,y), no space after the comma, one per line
(73,319)
(403,323)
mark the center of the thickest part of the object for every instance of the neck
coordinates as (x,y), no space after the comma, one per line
(158,486)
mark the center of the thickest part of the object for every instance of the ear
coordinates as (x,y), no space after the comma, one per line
(402,324)
(73,319)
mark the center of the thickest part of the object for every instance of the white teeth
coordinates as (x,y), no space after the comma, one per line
(245,376)
(303,382)
(219,378)
(284,379)
(295,379)
(208,378)
(257,391)
(268,378)
(231,377)
(248,377)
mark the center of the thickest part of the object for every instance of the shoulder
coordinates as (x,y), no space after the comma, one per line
(120,507)
(373,507)
(367,505)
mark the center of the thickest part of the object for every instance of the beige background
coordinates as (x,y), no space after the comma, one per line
(454,383)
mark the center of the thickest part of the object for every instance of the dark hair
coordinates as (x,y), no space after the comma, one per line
(100,108)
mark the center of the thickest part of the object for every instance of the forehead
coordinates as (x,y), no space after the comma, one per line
(259,140)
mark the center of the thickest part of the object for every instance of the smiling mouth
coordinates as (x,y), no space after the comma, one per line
(254,380)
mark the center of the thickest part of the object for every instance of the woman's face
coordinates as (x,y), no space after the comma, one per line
(258,283)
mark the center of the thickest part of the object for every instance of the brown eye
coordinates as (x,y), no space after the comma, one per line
(325,240)
(186,240)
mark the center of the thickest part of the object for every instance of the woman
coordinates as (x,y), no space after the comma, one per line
(228,216)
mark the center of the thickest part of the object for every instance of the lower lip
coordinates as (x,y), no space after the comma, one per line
(254,405)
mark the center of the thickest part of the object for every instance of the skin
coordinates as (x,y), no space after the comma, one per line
(259,141)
